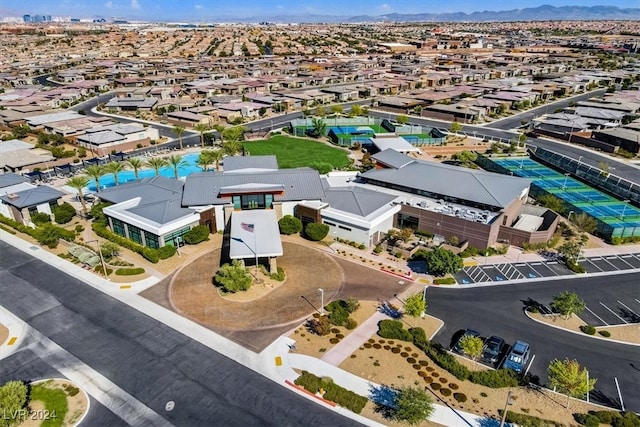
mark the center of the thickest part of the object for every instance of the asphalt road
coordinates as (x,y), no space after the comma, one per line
(142,356)
(498,310)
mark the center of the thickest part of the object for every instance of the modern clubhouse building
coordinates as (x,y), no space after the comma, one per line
(248,198)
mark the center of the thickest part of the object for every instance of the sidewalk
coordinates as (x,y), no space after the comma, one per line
(18,331)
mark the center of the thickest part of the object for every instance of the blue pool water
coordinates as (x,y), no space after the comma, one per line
(126,176)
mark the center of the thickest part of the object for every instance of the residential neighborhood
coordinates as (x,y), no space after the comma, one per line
(359,222)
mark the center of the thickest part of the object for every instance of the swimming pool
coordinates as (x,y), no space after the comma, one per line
(190,167)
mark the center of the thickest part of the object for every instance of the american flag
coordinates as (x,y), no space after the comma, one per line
(247,227)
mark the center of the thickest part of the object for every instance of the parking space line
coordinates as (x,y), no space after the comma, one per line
(613,312)
(513,272)
(637,300)
(531,267)
(622,304)
(622,258)
(598,317)
(589,261)
(480,275)
(607,261)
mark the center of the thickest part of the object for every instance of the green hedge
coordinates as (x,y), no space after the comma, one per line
(392,329)
(279,275)
(129,271)
(444,281)
(63,213)
(148,253)
(588,329)
(316,231)
(18,226)
(197,234)
(528,420)
(167,251)
(334,393)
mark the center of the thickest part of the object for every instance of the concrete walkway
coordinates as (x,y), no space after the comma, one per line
(354,340)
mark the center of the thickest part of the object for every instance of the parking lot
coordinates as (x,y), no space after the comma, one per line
(533,270)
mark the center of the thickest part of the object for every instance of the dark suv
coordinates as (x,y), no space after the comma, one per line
(518,357)
(492,350)
(467,333)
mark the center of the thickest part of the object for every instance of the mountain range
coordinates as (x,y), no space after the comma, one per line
(540,13)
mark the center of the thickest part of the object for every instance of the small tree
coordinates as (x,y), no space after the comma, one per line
(439,261)
(176,162)
(95,172)
(550,201)
(136,164)
(109,249)
(584,223)
(114,168)
(13,398)
(337,109)
(568,377)
(402,119)
(415,305)
(233,277)
(455,127)
(570,251)
(356,110)
(412,405)
(316,231)
(471,346)
(319,126)
(78,183)
(568,303)
(289,224)
(406,234)
(201,128)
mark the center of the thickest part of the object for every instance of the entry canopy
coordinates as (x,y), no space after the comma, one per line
(254,232)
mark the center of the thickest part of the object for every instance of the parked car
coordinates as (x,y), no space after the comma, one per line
(517,357)
(492,350)
(467,333)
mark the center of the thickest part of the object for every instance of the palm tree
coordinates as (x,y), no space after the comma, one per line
(176,161)
(79,182)
(179,130)
(319,126)
(205,159)
(231,147)
(156,163)
(95,172)
(217,156)
(201,128)
(114,168)
(136,164)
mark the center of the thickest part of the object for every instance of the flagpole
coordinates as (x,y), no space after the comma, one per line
(255,250)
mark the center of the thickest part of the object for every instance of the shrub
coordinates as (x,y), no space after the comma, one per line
(289,224)
(626,419)
(39,218)
(588,420)
(605,417)
(315,231)
(362,246)
(338,315)
(167,251)
(278,275)
(444,281)
(418,334)
(350,324)
(101,230)
(63,213)
(334,393)
(528,420)
(588,329)
(197,234)
(605,334)
(129,271)
(576,268)
(445,392)
(460,397)
(495,379)
(321,326)
(49,235)
(436,386)
(98,269)
(233,277)
(393,329)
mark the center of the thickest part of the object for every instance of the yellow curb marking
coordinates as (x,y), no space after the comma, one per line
(278,361)
(12,341)
(125,287)
(424,281)
(470,263)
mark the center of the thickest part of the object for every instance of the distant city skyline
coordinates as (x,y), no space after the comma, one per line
(210,11)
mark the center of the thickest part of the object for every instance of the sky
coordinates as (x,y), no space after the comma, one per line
(208,10)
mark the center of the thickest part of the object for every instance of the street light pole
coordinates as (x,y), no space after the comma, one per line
(506,405)
(564,186)
(321,301)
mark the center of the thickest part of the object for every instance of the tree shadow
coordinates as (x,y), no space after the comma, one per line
(628,315)
(384,398)
(389,310)
(600,397)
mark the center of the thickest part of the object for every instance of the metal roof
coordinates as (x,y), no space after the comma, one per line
(392,158)
(254,232)
(99,138)
(9,179)
(357,200)
(451,181)
(398,144)
(160,199)
(299,184)
(32,197)
(235,163)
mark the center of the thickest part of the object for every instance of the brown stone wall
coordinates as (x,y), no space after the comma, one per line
(477,234)
(209,216)
(308,212)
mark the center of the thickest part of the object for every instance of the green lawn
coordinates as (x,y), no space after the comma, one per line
(55,401)
(296,152)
